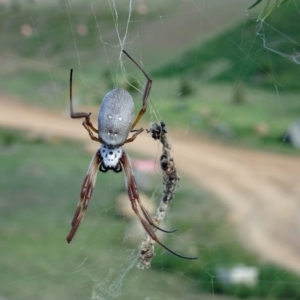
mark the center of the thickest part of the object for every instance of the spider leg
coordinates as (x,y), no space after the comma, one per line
(146,91)
(147,215)
(79,115)
(133,196)
(137,132)
(94,138)
(85,195)
(143,209)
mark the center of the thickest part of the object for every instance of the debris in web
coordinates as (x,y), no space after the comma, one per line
(170,182)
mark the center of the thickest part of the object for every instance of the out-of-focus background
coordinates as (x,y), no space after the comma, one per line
(228,88)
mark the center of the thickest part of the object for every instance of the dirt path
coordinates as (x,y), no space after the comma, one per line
(261,189)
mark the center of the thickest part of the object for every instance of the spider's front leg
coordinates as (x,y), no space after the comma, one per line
(86,194)
(135,202)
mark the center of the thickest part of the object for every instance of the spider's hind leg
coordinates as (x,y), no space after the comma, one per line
(146,91)
(80,115)
(136,133)
(94,138)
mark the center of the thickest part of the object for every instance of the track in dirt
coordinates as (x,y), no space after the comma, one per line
(261,189)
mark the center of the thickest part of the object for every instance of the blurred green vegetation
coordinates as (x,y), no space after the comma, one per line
(239,54)
(235,114)
(40,185)
(41,180)
(41,177)
(255,106)
(268,8)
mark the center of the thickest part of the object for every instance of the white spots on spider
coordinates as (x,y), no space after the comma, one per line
(111,156)
(115,118)
(109,133)
(120,118)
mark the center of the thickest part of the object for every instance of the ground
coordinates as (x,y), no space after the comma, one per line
(261,189)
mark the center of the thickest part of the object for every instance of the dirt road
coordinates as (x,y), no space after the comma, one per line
(261,189)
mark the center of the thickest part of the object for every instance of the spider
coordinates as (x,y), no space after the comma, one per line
(115,122)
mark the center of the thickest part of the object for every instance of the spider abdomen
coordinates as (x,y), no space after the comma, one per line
(115,117)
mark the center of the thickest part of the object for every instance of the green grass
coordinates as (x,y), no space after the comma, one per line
(37,69)
(212,107)
(237,55)
(41,180)
(55,44)
(40,183)
(40,188)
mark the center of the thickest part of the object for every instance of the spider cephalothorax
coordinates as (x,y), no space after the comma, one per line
(115,122)
(110,158)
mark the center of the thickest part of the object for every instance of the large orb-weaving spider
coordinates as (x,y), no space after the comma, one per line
(115,122)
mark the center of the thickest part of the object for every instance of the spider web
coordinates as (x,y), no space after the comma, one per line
(155,35)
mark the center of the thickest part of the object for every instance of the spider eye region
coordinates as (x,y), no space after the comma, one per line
(110,156)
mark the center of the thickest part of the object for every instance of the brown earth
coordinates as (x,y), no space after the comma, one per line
(261,189)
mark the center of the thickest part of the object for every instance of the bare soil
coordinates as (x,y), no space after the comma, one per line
(261,189)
